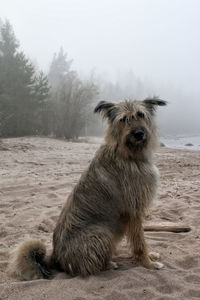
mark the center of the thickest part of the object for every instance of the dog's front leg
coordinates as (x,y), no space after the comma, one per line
(138,244)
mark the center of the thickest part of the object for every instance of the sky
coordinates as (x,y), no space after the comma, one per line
(156,39)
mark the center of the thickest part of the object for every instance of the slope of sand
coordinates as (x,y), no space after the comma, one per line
(37,174)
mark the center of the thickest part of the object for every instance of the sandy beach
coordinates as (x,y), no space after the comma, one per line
(36,176)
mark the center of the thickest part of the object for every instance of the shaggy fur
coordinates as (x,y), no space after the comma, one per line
(108,202)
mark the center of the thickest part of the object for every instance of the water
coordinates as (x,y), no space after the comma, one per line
(181,141)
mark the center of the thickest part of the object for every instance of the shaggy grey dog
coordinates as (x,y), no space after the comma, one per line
(108,202)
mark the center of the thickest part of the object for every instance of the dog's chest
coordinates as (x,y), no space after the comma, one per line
(140,183)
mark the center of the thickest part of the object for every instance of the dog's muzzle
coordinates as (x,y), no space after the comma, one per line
(139,134)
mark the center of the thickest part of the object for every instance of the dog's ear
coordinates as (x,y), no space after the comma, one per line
(107,109)
(152,103)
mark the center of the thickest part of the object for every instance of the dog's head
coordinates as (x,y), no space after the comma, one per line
(131,124)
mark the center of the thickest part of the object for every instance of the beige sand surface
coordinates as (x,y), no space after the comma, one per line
(37,174)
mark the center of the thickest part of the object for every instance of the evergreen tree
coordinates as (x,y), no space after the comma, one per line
(41,104)
(22,92)
(60,67)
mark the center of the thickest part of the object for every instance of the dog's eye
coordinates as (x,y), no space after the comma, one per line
(123,120)
(140,114)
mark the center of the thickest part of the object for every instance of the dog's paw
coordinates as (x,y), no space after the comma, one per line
(156,265)
(150,264)
(113,266)
(154,255)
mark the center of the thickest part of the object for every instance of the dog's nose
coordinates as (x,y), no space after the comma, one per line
(138,134)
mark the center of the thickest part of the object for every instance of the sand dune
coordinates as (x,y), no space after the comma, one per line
(37,174)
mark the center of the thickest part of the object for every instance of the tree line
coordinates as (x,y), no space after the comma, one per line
(60,103)
(33,103)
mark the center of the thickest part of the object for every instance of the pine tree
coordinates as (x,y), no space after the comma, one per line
(22,92)
(41,105)
(60,68)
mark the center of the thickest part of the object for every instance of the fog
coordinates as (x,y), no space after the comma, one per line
(156,41)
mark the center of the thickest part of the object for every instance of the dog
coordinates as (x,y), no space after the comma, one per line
(108,202)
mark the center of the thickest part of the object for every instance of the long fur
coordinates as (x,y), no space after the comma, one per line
(108,202)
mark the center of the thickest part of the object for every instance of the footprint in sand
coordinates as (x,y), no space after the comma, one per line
(193,294)
(116,295)
(3,233)
(46,226)
(187,262)
(54,218)
(167,289)
(192,279)
(52,196)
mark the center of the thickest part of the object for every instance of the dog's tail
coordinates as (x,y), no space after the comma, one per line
(29,261)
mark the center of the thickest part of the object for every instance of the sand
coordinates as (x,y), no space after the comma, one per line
(36,176)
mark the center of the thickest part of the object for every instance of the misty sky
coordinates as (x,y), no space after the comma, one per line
(158,39)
